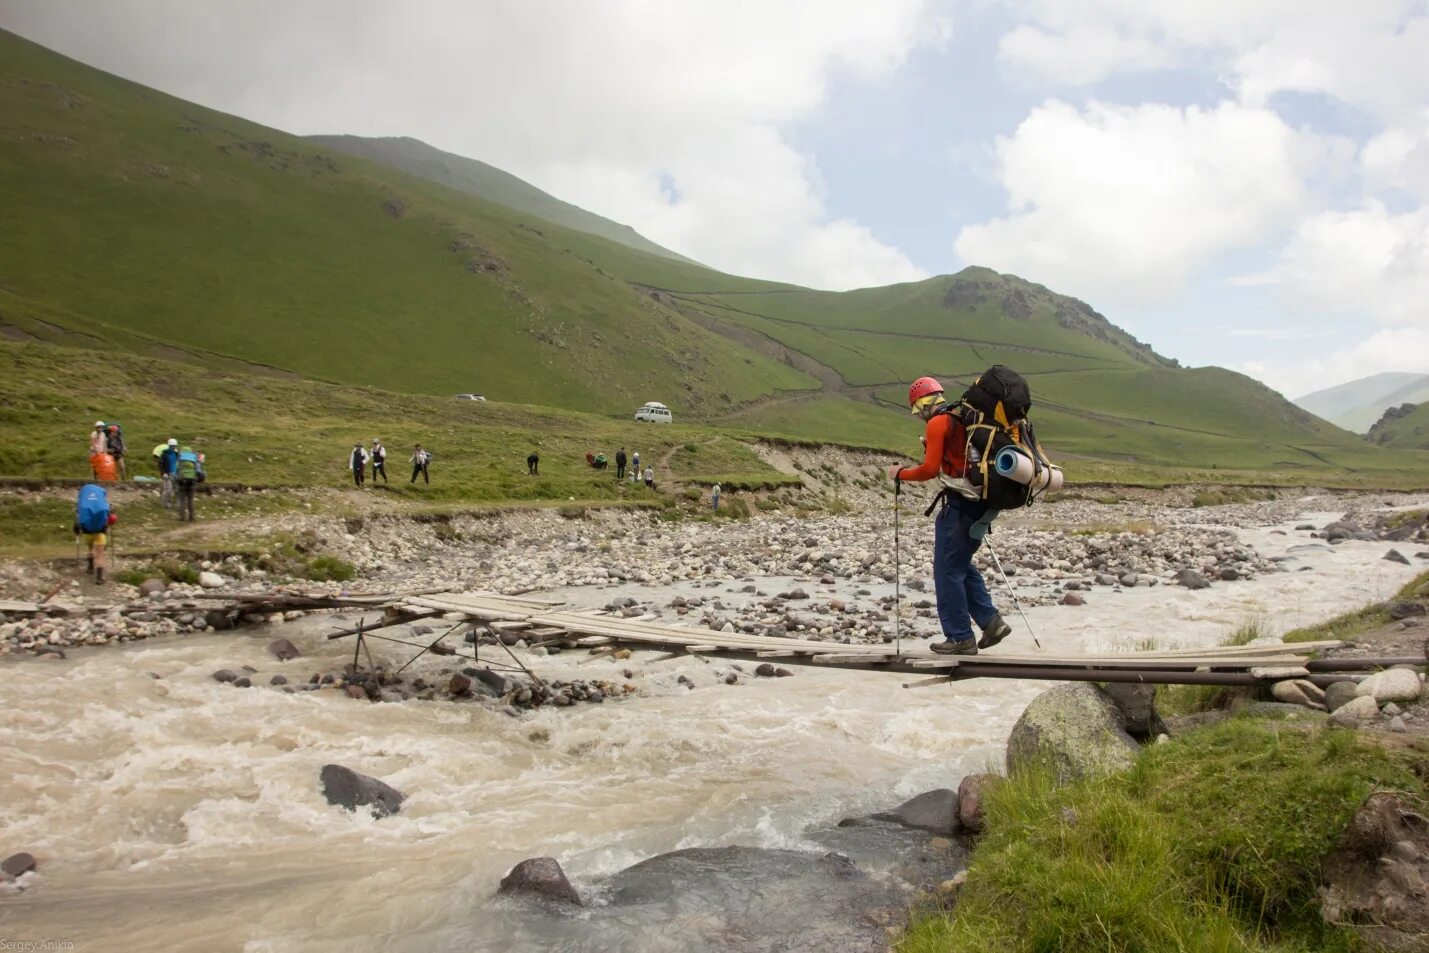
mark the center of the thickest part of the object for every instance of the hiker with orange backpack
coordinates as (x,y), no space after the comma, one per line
(959,528)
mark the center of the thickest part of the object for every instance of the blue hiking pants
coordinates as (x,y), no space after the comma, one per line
(959,585)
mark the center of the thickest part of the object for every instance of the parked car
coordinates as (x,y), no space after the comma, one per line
(469,397)
(654,413)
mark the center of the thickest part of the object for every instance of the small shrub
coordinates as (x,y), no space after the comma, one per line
(170,570)
(692,494)
(572,512)
(766,504)
(329,569)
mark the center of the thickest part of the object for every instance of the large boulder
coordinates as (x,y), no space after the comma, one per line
(1076,730)
(1374,880)
(211,580)
(540,877)
(745,900)
(1137,704)
(935,811)
(284,650)
(345,787)
(17,864)
(1339,694)
(1355,712)
(1192,579)
(971,794)
(1392,685)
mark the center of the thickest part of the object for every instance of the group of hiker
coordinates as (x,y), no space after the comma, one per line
(361,457)
(623,465)
(179,469)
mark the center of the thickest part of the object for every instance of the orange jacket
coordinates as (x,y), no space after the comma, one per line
(946,451)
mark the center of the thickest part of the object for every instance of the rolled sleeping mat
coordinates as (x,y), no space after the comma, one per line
(1017,465)
(1049,480)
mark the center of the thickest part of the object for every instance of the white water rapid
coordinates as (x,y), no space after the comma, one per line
(178,813)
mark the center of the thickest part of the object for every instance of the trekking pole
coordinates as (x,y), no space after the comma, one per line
(1015,601)
(897,574)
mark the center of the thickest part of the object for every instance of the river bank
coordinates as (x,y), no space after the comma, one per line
(128,788)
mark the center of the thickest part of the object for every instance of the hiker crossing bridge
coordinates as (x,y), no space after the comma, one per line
(537,621)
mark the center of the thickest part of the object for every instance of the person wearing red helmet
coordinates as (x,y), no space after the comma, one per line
(959,585)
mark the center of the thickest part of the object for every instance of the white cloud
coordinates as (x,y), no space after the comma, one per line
(598,102)
(1398,157)
(1370,54)
(1080,56)
(1392,349)
(1123,204)
(1368,263)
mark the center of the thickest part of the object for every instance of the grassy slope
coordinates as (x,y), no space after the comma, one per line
(137,218)
(1212,842)
(1410,432)
(268,431)
(477,178)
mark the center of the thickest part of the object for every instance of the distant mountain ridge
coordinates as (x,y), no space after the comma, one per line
(1356,405)
(477,178)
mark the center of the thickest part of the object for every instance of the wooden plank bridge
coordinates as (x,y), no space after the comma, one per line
(537,620)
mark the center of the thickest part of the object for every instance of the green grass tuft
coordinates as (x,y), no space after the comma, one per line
(1211,842)
(1350,624)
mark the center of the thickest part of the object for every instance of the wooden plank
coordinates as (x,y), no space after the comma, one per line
(928,682)
(848,659)
(1279,671)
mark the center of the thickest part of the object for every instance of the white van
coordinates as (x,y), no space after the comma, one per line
(654,413)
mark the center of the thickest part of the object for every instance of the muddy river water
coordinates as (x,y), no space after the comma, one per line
(177,813)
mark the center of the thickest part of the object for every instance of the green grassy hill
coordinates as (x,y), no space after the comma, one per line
(138,222)
(477,178)
(1404,428)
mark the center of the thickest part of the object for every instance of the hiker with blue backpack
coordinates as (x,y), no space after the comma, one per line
(188,474)
(166,456)
(92,519)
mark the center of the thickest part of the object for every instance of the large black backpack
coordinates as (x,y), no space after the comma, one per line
(994,412)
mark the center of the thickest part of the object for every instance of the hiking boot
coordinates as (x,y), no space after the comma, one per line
(961,647)
(994,632)
(99,577)
(89,564)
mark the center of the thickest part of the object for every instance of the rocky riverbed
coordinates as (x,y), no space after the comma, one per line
(770,575)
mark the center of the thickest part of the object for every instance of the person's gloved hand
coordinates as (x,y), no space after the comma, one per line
(979,529)
(893,472)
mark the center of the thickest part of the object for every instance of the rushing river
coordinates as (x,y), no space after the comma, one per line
(177,813)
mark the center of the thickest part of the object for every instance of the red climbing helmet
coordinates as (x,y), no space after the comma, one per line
(921,388)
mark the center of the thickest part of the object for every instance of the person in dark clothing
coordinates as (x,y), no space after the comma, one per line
(379,460)
(620,464)
(188,476)
(359,464)
(420,460)
(114,441)
(533,463)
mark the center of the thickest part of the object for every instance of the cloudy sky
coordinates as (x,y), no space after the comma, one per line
(1238,182)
